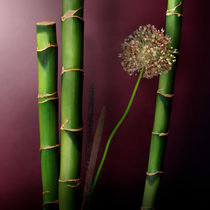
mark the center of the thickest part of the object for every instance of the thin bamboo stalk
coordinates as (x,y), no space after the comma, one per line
(71,104)
(164,99)
(47,57)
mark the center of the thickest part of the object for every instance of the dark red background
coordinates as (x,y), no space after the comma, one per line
(186,182)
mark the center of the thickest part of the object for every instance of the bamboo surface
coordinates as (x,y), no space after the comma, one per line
(47,58)
(163,107)
(71,104)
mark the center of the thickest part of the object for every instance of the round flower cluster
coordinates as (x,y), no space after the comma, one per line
(148,50)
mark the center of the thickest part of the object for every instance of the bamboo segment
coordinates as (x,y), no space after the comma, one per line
(47,57)
(71,104)
(164,99)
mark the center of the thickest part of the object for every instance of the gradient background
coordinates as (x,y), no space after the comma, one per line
(186,182)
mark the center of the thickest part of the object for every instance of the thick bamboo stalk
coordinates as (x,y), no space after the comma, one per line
(47,57)
(71,104)
(164,99)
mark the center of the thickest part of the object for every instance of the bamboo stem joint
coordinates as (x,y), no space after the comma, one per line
(48,96)
(50,202)
(146,207)
(160,134)
(165,94)
(50,147)
(154,173)
(71,14)
(46,192)
(69,70)
(48,46)
(172,11)
(70,129)
(76,181)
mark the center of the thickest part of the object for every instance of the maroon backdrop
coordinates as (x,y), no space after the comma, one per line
(186,182)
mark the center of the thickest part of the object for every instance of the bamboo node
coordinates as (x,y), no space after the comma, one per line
(46,100)
(146,207)
(46,192)
(46,47)
(172,11)
(45,23)
(50,202)
(154,173)
(68,70)
(70,129)
(71,14)
(49,147)
(73,186)
(160,134)
(165,94)
(48,96)
(77,182)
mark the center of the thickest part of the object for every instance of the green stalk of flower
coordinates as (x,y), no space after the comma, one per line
(147,52)
(47,58)
(109,141)
(71,104)
(164,99)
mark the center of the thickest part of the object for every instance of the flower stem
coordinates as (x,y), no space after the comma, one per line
(109,140)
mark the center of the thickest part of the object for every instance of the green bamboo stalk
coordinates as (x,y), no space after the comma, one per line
(47,57)
(164,99)
(71,104)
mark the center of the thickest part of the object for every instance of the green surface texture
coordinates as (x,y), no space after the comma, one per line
(71,106)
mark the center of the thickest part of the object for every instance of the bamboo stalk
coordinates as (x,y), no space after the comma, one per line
(47,57)
(71,104)
(164,99)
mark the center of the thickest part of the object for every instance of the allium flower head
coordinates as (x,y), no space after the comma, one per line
(147,49)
